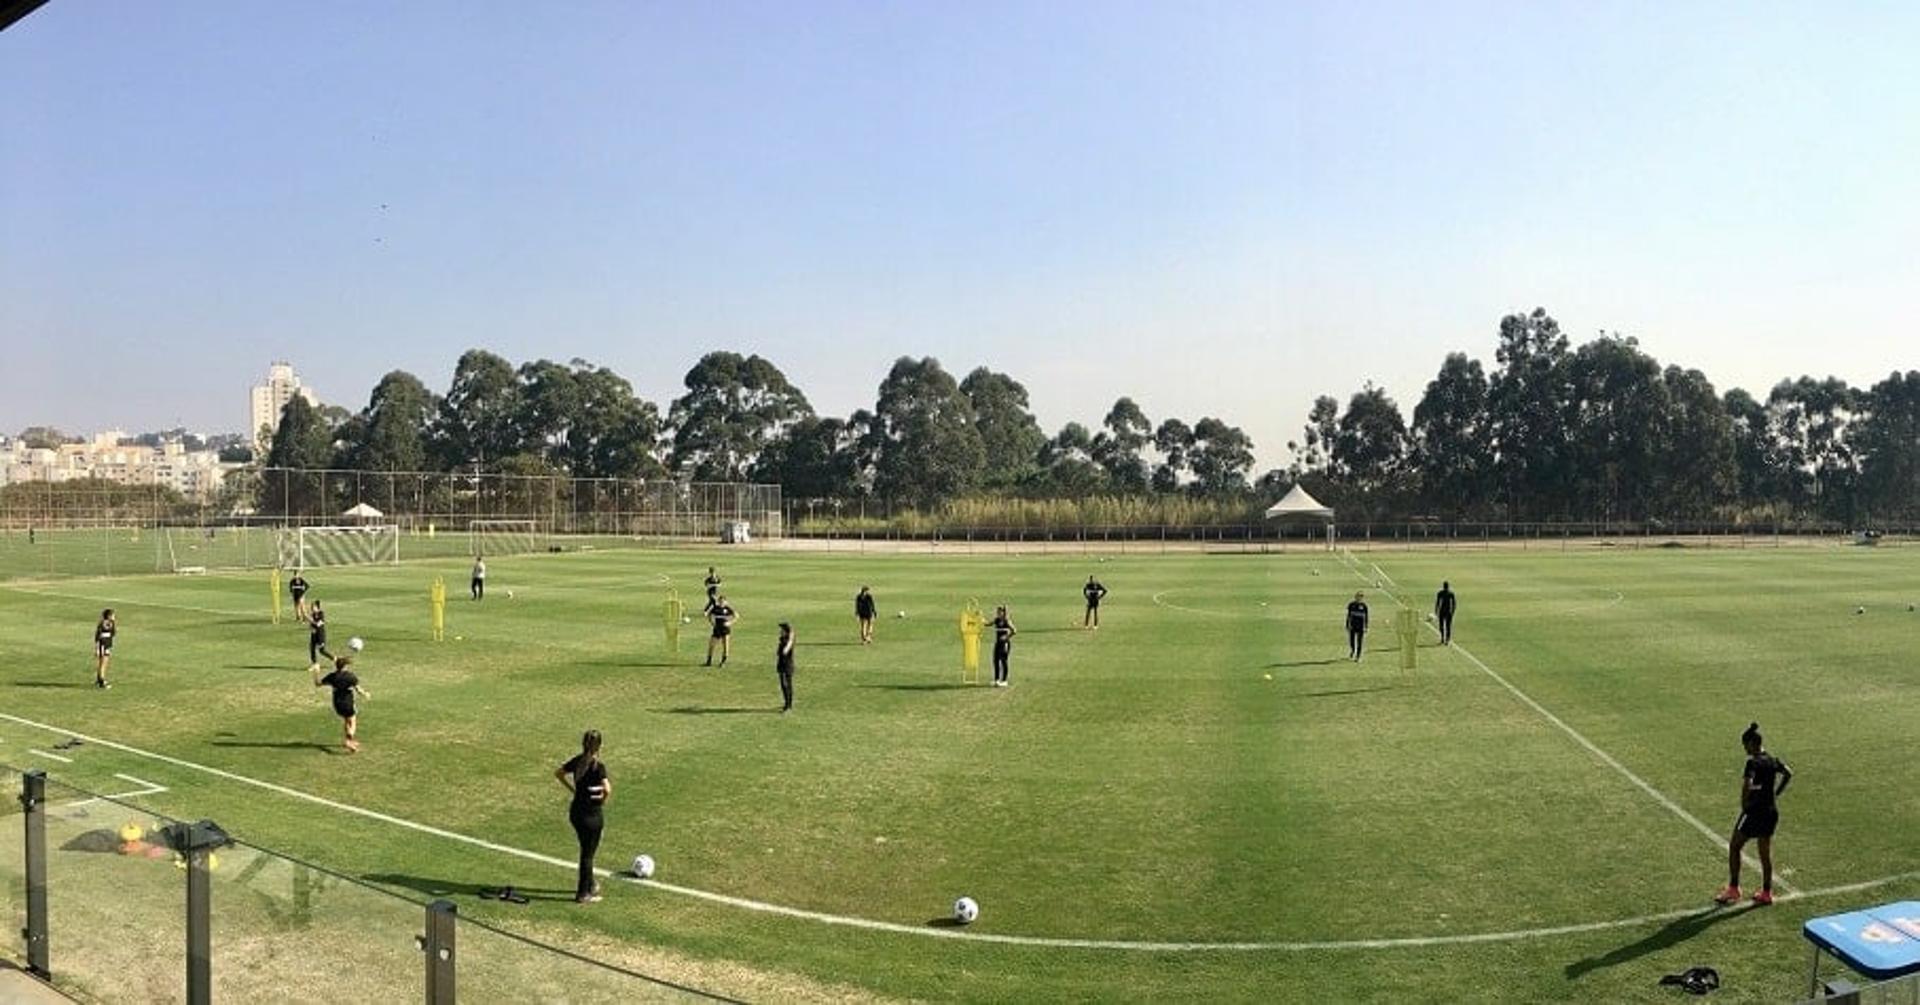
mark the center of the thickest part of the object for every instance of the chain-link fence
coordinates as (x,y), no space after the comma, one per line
(98,528)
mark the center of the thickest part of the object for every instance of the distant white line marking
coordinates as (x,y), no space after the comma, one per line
(57,757)
(943,933)
(1718,839)
(146,789)
(1159,598)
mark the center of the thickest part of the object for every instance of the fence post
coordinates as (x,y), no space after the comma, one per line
(437,944)
(195,842)
(33,800)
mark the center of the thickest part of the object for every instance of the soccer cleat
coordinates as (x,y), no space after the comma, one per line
(1727,896)
(1763,898)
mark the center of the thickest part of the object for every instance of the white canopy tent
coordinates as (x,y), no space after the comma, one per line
(1298,502)
(362,511)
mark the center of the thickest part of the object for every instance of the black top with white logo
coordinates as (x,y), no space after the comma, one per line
(589,782)
(1357,616)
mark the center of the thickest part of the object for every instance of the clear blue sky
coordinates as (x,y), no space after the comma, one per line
(1220,209)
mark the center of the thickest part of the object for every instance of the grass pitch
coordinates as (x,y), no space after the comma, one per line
(1202,800)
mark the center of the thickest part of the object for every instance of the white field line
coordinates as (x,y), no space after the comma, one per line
(1719,840)
(57,757)
(117,602)
(146,789)
(1382,574)
(1160,600)
(948,933)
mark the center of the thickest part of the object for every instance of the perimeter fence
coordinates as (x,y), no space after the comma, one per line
(112,902)
(90,528)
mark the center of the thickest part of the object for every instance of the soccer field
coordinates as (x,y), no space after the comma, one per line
(1204,800)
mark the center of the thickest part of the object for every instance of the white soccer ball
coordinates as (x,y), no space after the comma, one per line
(356,643)
(965,911)
(509,594)
(686,619)
(902,614)
(1859,610)
(643,866)
(1316,572)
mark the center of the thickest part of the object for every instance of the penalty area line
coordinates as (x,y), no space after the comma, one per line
(870,924)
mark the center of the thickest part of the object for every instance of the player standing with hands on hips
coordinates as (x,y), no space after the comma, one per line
(297,588)
(783,663)
(1357,626)
(1003,633)
(1759,815)
(1443,604)
(1093,592)
(586,777)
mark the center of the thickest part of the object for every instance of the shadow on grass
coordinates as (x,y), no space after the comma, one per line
(1305,663)
(810,645)
(263,666)
(1671,934)
(947,921)
(921,687)
(705,710)
(1049,631)
(1347,690)
(324,748)
(48,683)
(457,888)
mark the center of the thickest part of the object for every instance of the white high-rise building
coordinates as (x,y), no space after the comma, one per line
(270,398)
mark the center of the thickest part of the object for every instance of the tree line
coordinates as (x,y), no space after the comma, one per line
(1597,431)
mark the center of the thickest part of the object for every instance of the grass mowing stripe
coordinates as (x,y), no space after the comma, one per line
(1662,798)
(927,932)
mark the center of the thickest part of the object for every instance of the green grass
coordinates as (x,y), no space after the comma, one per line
(1204,768)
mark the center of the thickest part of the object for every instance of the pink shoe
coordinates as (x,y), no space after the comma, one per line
(1729,895)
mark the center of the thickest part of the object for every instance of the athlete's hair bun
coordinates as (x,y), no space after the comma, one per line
(1752,733)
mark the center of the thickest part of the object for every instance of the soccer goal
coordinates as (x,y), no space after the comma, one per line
(506,537)
(313,547)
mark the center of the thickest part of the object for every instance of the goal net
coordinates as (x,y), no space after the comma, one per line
(313,547)
(506,537)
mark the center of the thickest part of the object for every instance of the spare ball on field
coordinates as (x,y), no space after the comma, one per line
(643,866)
(965,911)
(1860,610)
(902,614)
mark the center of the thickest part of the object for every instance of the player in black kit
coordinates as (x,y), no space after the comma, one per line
(297,586)
(863,609)
(1443,604)
(1093,591)
(586,777)
(103,634)
(783,664)
(1003,633)
(1357,626)
(723,617)
(316,636)
(346,686)
(1759,815)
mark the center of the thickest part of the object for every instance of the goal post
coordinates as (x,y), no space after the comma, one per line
(506,537)
(315,547)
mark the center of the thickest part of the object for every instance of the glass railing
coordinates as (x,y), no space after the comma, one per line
(117,924)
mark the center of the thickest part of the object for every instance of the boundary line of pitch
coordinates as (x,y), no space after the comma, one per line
(869,924)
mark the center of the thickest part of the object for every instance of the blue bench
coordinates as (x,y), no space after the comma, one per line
(1879,942)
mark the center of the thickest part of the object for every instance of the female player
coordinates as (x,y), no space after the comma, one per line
(477,583)
(723,618)
(297,586)
(1003,633)
(713,589)
(345,685)
(316,636)
(103,634)
(1357,626)
(1759,815)
(783,664)
(1094,592)
(585,777)
(863,609)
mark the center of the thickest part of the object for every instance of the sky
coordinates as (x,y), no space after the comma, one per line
(1216,209)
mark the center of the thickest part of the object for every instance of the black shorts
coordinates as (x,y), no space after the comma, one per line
(103,649)
(297,594)
(1757,823)
(721,633)
(343,709)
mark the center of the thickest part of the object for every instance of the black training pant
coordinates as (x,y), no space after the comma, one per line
(1446,627)
(1000,654)
(786,689)
(316,648)
(587,824)
(1356,641)
(479,588)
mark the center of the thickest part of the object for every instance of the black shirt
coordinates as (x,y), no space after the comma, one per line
(103,632)
(587,782)
(1002,633)
(318,621)
(1763,772)
(713,587)
(863,606)
(1094,592)
(343,682)
(784,654)
(1357,616)
(297,585)
(722,619)
(1444,601)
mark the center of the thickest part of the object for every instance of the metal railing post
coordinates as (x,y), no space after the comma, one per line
(437,944)
(33,799)
(195,842)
